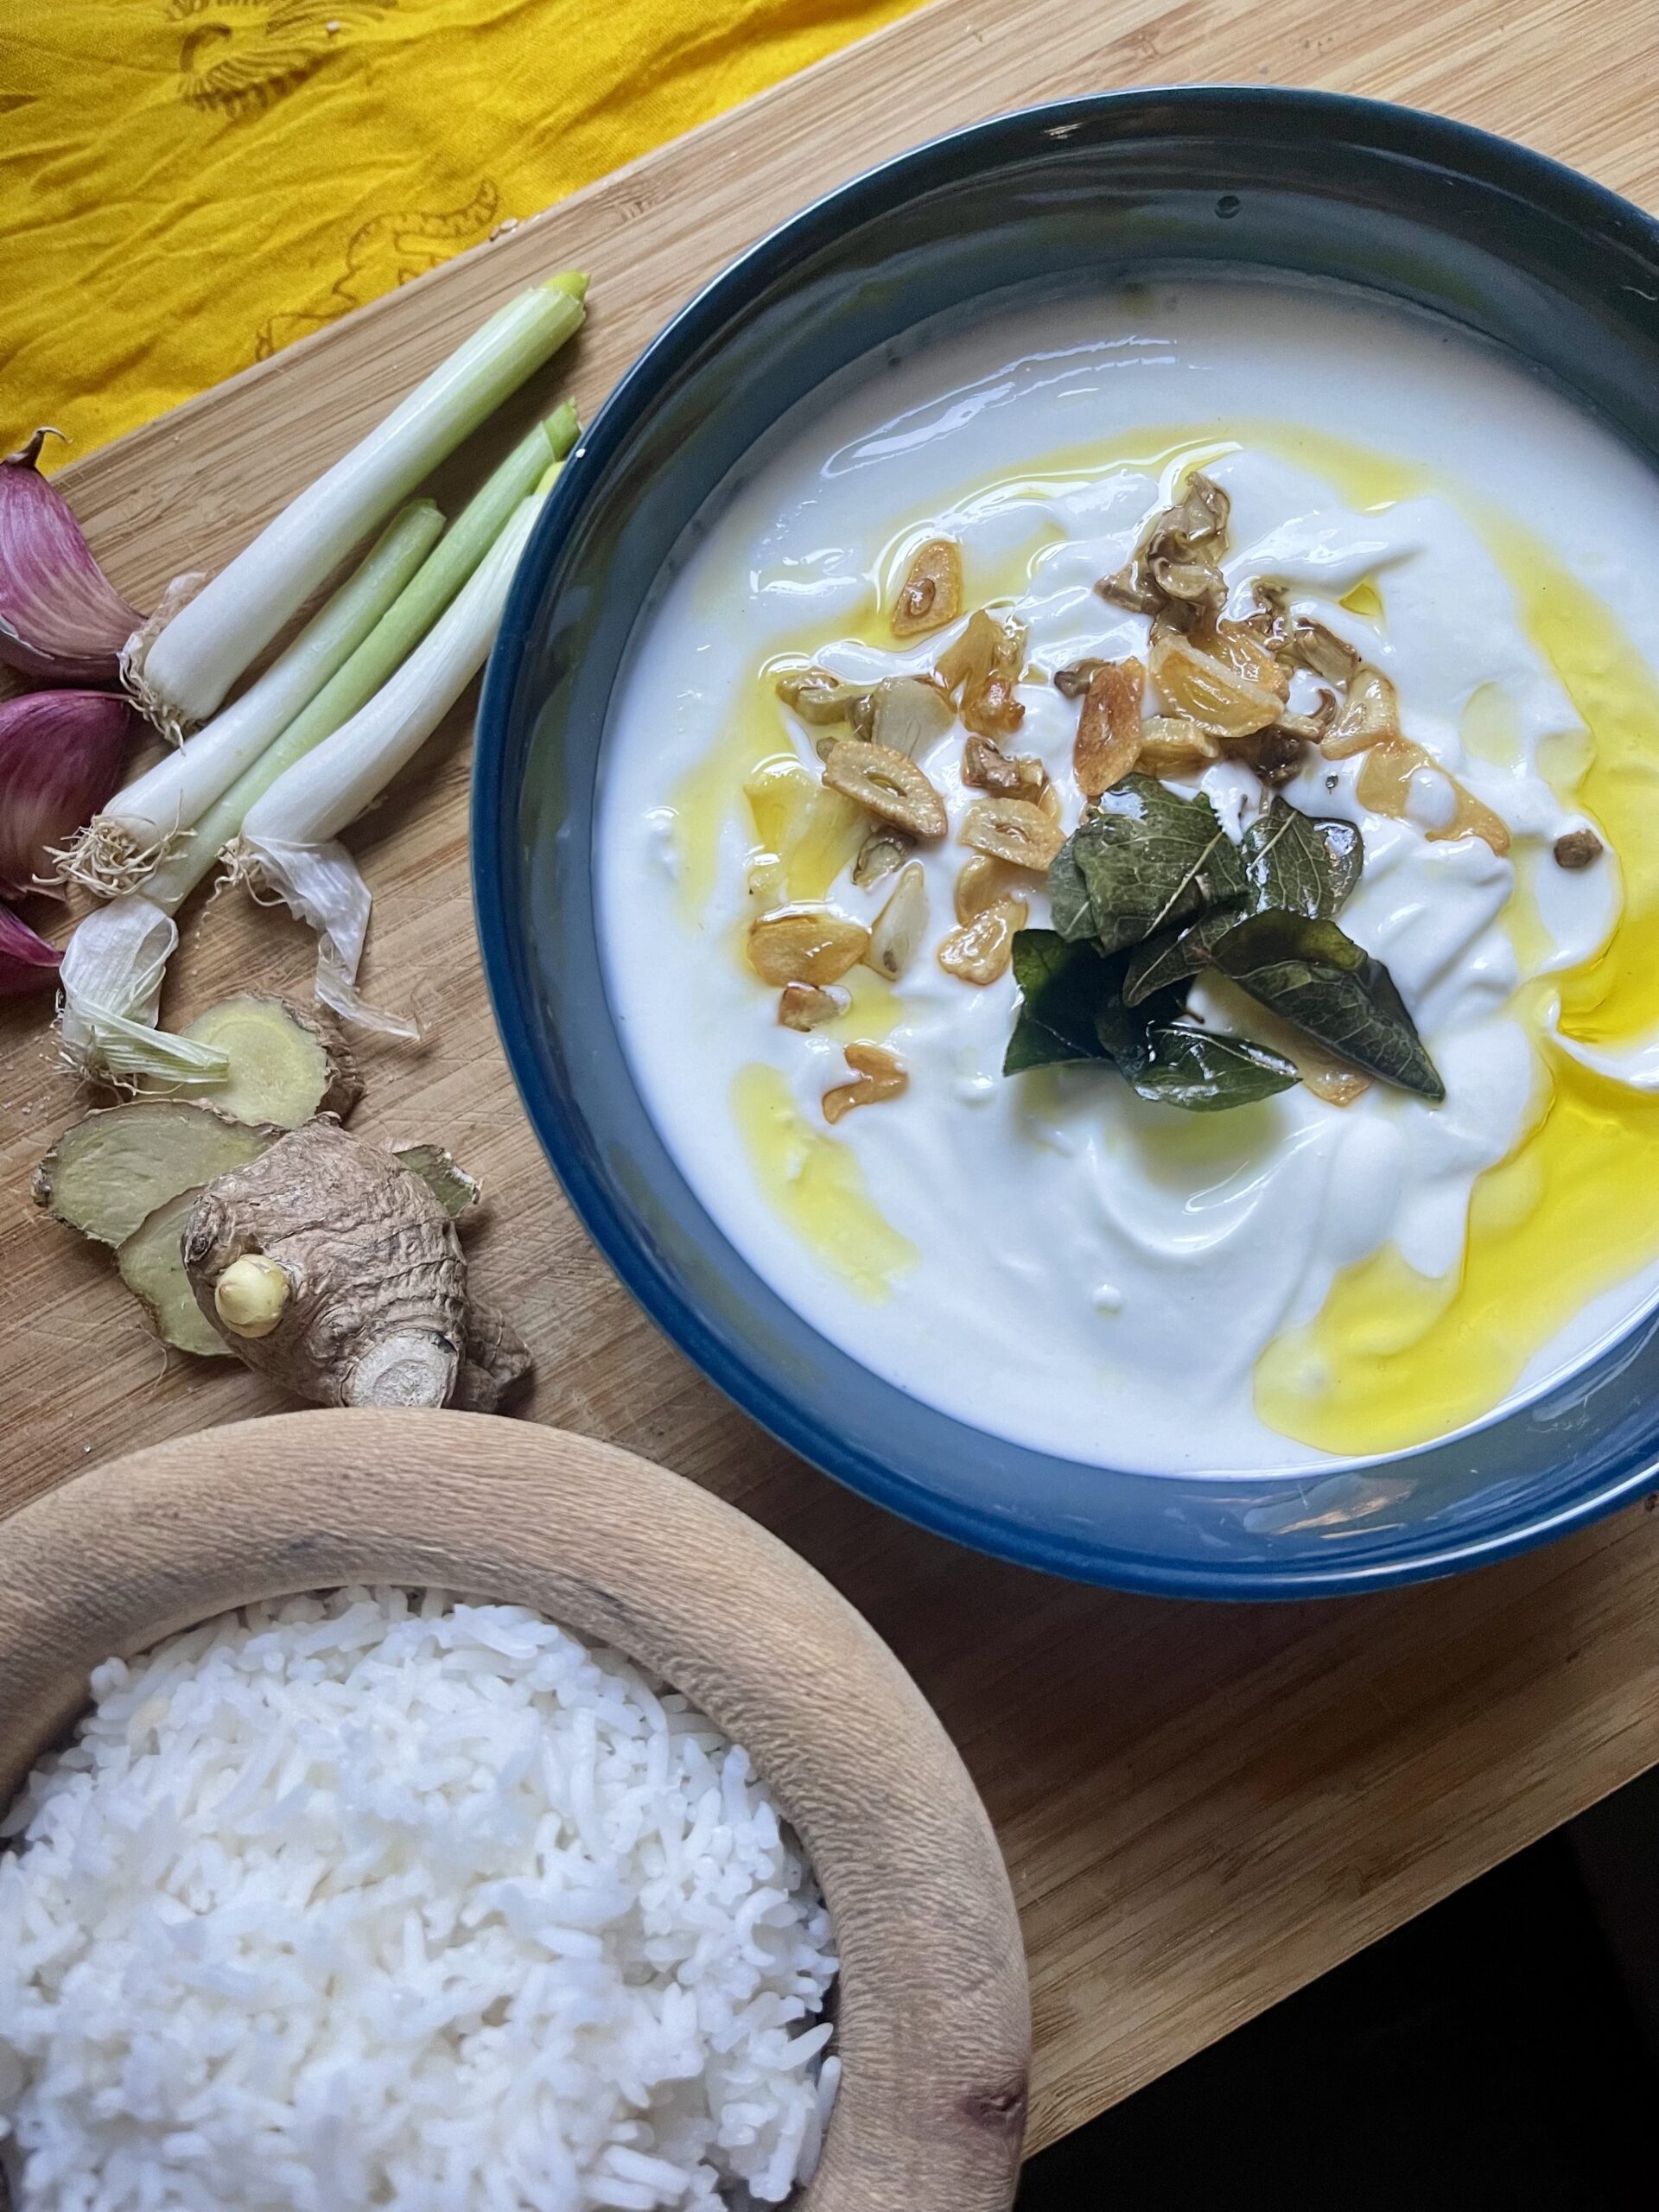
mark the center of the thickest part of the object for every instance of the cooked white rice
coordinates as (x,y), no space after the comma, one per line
(368,1900)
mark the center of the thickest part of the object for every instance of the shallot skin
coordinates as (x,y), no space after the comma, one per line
(62,619)
(62,758)
(28,962)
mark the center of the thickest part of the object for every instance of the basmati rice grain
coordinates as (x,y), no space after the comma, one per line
(363,1900)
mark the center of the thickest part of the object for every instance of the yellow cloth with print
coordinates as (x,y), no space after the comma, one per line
(187,185)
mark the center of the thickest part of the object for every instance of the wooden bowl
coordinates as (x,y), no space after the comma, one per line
(934,2028)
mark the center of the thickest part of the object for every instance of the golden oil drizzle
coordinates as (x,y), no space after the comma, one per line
(1396,1358)
(813,1182)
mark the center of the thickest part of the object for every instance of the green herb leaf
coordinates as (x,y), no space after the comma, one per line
(1289,861)
(1062,985)
(1174,956)
(1073,1010)
(1145,859)
(1308,971)
(1300,863)
(1125,1031)
(1070,907)
(1206,1071)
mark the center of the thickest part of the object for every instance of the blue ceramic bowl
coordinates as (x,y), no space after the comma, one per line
(1514,247)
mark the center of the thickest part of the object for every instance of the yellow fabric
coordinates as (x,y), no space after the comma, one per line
(187,185)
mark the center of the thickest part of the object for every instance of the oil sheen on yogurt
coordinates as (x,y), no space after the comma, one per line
(1048,1257)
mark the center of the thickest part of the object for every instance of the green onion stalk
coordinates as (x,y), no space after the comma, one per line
(180,676)
(115,963)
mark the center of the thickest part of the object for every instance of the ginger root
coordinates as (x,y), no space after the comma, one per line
(330,1265)
(108,1173)
(152,1268)
(250,1297)
(496,1360)
(287,1062)
(371,1307)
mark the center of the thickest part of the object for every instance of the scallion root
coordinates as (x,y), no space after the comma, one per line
(105,859)
(143,695)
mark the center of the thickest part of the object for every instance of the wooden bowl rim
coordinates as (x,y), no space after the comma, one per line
(933,2021)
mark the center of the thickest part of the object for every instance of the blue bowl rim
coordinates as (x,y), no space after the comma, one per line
(1412,133)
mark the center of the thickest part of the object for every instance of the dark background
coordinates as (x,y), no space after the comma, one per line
(1500,2051)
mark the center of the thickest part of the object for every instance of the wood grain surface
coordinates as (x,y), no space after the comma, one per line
(1201,1809)
(932,2024)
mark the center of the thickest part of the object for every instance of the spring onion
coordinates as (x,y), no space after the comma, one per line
(116,957)
(290,843)
(180,675)
(458,554)
(120,846)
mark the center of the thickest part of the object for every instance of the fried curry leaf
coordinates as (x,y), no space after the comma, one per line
(1174,957)
(1125,1031)
(1061,985)
(1206,1071)
(1068,904)
(1300,863)
(1313,976)
(1147,891)
(1146,859)
(1073,1010)
(1072,1007)
(1294,862)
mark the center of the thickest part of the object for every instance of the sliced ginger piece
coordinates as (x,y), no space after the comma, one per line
(286,1063)
(109,1173)
(152,1266)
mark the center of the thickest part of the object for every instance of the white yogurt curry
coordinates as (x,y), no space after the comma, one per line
(1356,733)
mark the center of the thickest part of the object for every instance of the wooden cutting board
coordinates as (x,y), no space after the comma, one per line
(1202,1807)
